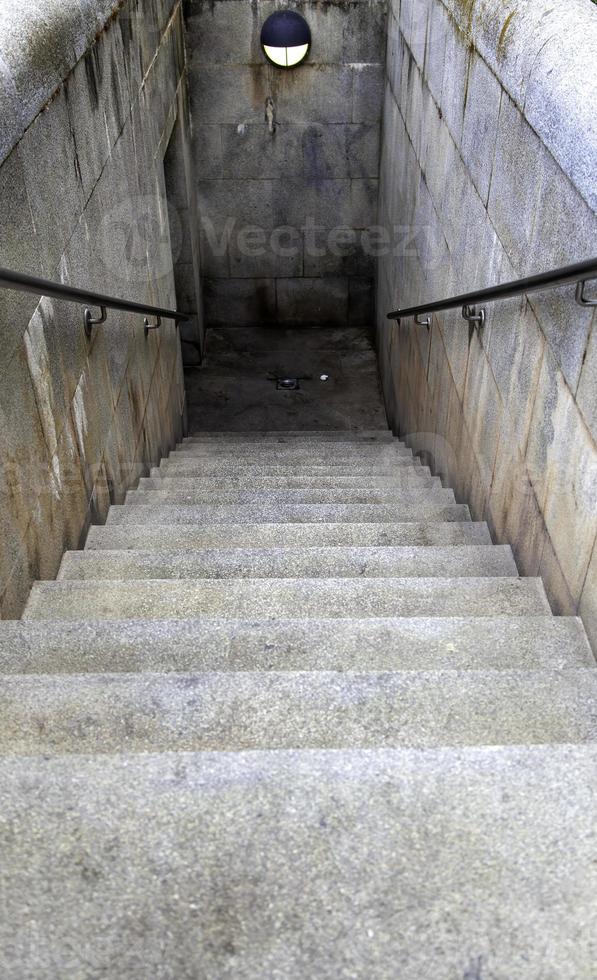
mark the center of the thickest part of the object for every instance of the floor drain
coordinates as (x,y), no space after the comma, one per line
(287,384)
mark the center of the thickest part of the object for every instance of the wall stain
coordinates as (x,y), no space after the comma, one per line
(94,72)
(48,492)
(503,38)
(468,8)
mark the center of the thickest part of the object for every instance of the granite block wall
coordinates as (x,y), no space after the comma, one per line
(488,174)
(88,119)
(285,208)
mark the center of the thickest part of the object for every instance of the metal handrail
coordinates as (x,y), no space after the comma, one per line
(580,273)
(71,294)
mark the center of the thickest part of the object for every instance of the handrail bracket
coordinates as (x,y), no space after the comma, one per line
(151,326)
(471,315)
(90,321)
(581,299)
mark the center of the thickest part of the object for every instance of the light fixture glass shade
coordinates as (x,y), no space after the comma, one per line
(286,39)
(286,57)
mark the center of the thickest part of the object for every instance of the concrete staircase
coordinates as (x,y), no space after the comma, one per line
(290,714)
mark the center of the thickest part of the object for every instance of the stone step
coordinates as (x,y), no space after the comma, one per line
(429,864)
(287,598)
(295,436)
(417,510)
(282,563)
(243,469)
(464,643)
(252,711)
(409,496)
(301,453)
(403,479)
(192,537)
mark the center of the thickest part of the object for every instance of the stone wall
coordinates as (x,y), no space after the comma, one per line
(488,174)
(86,124)
(284,212)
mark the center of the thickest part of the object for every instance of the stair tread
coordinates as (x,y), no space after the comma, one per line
(291,449)
(298,436)
(382,846)
(418,509)
(421,643)
(235,711)
(244,466)
(402,479)
(272,598)
(414,533)
(467,560)
(259,497)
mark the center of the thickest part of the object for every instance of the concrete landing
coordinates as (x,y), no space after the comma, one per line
(235,389)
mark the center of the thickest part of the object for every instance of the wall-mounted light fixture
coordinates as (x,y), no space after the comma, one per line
(286,39)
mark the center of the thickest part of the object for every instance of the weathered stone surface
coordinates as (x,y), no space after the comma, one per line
(245,711)
(480,125)
(478,148)
(245,302)
(294,818)
(586,394)
(19,250)
(299,598)
(156,536)
(39,47)
(367,495)
(414,510)
(83,202)
(361,293)
(322,301)
(545,69)
(237,386)
(588,600)
(340,151)
(347,453)
(316,94)
(313,202)
(323,134)
(241,93)
(293,435)
(367,93)
(405,478)
(278,563)
(525,643)
(250,151)
(571,491)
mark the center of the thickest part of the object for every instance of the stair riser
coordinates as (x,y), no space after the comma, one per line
(235,712)
(421,510)
(290,598)
(190,537)
(291,563)
(528,643)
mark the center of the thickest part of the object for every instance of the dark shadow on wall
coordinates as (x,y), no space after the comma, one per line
(184,237)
